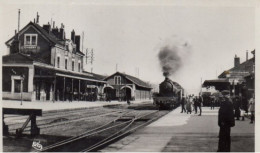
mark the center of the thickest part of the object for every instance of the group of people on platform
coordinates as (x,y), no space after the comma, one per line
(75,95)
(191,103)
(231,108)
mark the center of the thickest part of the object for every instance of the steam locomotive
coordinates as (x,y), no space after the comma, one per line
(169,95)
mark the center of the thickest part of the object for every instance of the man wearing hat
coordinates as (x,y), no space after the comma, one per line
(244,103)
(225,122)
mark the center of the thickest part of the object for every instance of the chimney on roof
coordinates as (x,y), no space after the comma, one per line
(236,61)
(37,18)
(53,24)
(247,55)
(253,52)
(73,36)
(77,42)
(47,27)
(55,31)
(62,32)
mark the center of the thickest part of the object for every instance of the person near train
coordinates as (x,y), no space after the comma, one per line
(108,98)
(212,102)
(183,102)
(196,104)
(252,108)
(188,105)
(244,102)
(225,122)
(200,104)
(237,105)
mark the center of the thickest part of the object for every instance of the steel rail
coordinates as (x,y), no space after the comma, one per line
(57,116)
(116,136)
(86,134)
(67,122)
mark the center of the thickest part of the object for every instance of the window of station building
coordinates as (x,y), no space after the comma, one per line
(117,80)
(72,65)
(58,62)
(79,67)
(30,39)
(17,86)
(66,64)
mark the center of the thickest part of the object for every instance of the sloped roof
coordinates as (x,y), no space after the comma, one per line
(133,79)
(20,58)
(97,76)
(58,72)
(50,36)
(240,67)
(219,84)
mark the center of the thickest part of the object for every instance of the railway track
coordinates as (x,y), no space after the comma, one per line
(51,123)
(54,119)
(53,115)
(103,135)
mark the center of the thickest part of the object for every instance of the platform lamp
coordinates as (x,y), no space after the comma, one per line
(22,78)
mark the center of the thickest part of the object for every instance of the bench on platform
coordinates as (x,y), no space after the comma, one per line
(32,113)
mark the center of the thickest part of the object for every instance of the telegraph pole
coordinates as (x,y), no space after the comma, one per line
(82,41)
(18,20)
(18,30)
(92,59)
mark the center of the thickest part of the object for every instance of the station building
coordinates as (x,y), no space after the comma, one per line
(122,86)
(43,64)
(233,78)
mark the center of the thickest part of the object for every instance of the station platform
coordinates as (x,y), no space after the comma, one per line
(181,132)
(60,105)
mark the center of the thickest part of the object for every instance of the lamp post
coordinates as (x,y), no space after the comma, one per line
(22,78)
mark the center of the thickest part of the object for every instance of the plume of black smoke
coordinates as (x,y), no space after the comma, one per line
(171,57)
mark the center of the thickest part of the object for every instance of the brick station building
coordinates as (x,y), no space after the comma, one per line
(43,65)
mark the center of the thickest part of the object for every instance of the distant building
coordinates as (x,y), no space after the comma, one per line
(44,65)
(122,86)
(240,70)
(233,78)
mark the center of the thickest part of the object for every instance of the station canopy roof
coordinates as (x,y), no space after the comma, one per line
(219,84)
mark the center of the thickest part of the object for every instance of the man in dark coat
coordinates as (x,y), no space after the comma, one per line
(237,105)
(200,104)
(195,104)
(225,122)
(244,103)
(212,103)
(183,104)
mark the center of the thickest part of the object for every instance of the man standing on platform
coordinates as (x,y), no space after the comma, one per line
(196,104)
(200,104)
(244,104)
(237,104)
(183,104)
(225,122)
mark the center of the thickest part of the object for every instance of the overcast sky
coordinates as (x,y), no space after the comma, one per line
(131,34)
